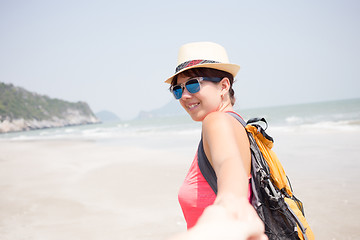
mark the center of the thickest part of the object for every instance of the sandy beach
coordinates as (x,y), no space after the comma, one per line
(86,189)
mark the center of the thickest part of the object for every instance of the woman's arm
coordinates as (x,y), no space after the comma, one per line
(227,147)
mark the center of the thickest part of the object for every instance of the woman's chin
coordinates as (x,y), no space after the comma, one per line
(196,117)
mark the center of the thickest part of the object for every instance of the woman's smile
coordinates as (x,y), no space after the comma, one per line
(192,106)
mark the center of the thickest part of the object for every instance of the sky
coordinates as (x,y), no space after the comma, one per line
(116,55)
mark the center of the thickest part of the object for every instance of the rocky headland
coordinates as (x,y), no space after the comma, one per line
(22,110)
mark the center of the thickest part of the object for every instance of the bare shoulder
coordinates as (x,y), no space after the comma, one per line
(221,121)
(217,118)
(221,126)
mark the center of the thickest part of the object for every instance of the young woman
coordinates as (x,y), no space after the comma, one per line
(203,85)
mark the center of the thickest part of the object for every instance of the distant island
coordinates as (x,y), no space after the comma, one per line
(22,110)
(107,116)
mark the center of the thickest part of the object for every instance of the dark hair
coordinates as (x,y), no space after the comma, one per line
(209,72)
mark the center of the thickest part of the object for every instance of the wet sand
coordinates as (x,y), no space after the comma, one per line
(76,189)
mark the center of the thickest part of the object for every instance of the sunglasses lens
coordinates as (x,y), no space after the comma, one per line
(193,86)
(177,91)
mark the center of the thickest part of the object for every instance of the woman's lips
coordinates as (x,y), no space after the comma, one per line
(193,105)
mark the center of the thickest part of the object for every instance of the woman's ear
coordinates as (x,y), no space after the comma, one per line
(225,85)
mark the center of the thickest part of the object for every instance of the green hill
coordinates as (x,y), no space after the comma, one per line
(24,110)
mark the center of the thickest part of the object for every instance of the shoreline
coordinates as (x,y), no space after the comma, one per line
(24,126)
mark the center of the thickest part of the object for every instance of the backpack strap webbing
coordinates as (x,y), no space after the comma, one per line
(204,165)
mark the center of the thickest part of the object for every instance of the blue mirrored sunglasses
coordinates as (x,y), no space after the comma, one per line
(192,85)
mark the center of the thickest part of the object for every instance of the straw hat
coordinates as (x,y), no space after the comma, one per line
(203,55)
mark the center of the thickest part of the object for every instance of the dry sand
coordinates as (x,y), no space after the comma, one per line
(72,189)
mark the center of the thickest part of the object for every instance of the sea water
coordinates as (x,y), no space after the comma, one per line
(341,115)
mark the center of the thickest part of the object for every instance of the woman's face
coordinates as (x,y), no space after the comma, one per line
(199,105)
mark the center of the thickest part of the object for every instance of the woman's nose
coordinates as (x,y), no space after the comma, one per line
(185,94)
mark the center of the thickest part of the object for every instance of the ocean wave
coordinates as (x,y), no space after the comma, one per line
(117,132)
(294,120)
(341,126)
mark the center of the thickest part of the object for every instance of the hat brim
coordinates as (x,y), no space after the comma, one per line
(227,67)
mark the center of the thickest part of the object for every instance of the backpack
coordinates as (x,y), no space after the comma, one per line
(272,195)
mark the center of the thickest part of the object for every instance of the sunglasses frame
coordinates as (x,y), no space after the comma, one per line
(198,79)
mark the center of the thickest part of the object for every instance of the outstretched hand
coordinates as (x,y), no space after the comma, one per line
(217,222)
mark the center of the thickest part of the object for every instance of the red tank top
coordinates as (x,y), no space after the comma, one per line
(195,194)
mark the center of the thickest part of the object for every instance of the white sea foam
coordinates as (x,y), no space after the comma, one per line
(326,126)
(340,125)
(294,120)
